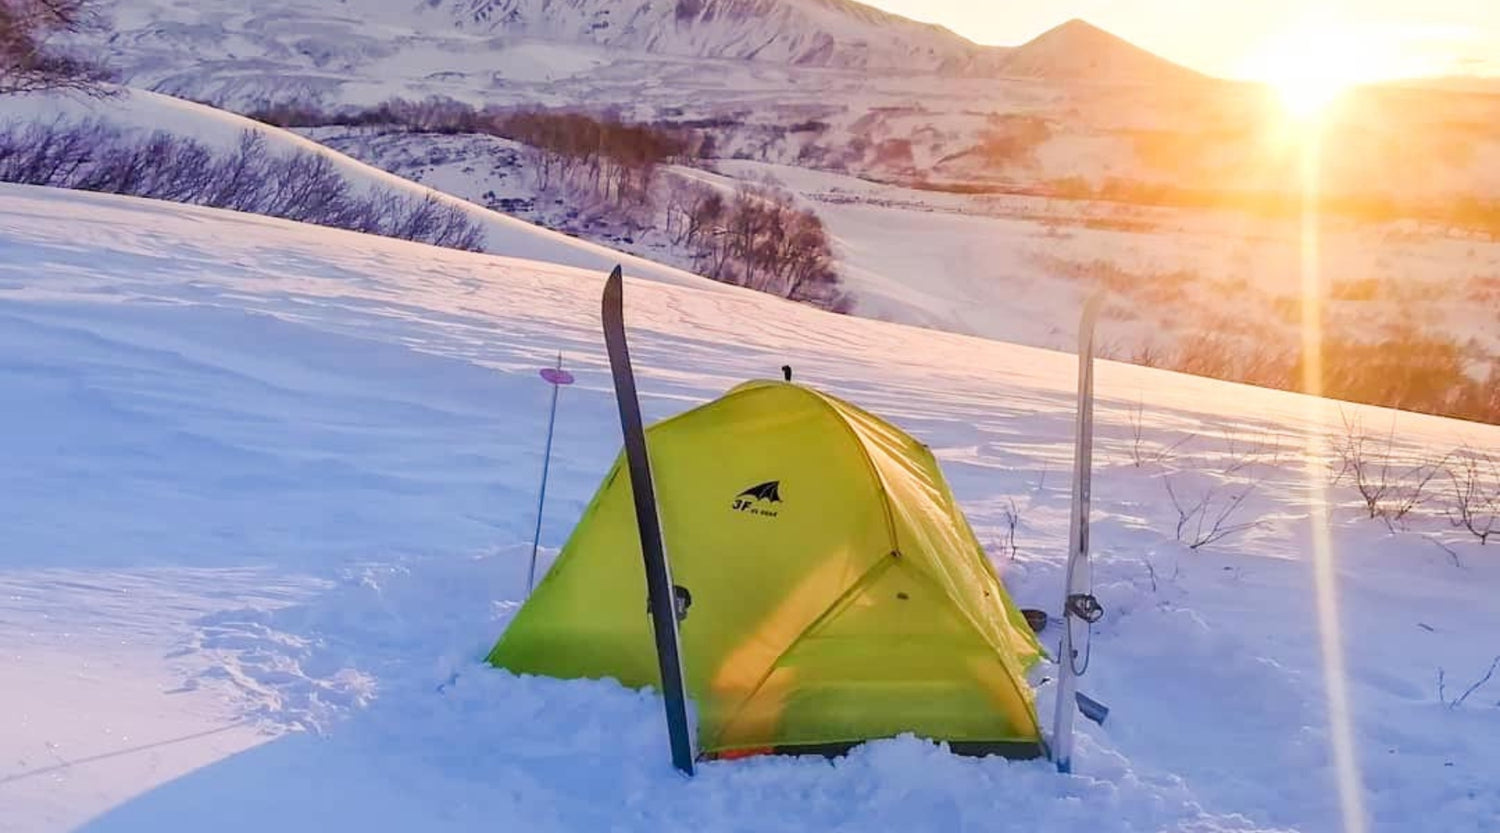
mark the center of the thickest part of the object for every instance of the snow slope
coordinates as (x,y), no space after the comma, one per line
(1009,268)
(140,111)
(268,490)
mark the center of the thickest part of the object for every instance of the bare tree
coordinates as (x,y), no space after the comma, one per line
(31,60)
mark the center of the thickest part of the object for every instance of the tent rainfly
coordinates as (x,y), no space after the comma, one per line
(837,592)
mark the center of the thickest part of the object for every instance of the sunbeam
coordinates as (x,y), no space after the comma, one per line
(1335,676)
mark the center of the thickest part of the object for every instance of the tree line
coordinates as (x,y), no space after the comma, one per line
(296,185)
(1405,369)
(756,237)
(600,155)
(753,236)
(609,158)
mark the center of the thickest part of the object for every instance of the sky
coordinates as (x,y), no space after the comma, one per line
(1238,38)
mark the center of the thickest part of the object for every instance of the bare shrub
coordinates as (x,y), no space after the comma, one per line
(1474,494)
(1211,516)
(1218,355)
(1148,354)
(1406,369)
(1258,448)
(1142,453)
(1216,512)
(1403,367)
(1389,485)
(1442,689)
(307,187)
(1011,515)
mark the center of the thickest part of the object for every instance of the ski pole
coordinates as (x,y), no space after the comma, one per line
(556,377)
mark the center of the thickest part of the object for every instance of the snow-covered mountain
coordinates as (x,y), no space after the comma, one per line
(1080,51)
(840,34)
(813,33)
(366,50)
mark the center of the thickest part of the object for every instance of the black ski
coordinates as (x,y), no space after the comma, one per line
(661,595)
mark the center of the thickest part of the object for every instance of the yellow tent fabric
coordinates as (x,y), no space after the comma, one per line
(838,593)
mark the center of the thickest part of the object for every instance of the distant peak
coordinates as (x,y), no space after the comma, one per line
(1077,24)
(1076,30)
(1080,50)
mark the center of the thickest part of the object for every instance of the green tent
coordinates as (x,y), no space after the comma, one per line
(838,594)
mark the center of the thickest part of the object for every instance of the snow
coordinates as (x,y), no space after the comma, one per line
(1104,106)
(139,112)
(1009,267)
(1004,267)
(269,490)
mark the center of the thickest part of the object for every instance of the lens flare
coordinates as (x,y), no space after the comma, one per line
(1313,63)
(1325,576)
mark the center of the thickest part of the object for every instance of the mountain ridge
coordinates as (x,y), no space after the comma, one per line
(362,51)
(837,34)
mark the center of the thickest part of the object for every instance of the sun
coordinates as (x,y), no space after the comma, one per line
(1307,95)
(1306,98)
(1311,65)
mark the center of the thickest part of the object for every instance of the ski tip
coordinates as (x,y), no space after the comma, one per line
(613,289)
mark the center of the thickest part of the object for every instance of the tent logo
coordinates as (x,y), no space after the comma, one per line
(757,500)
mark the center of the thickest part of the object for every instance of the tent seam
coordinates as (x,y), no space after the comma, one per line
(962,609)
(864,454)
